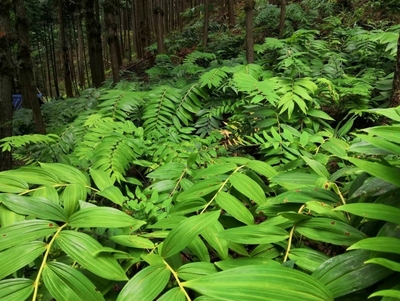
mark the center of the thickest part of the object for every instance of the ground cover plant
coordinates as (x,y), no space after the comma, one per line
(215,179)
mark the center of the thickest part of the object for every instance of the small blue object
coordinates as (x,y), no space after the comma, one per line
(17,100)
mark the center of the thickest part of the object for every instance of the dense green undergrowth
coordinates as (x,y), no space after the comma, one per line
(216,180)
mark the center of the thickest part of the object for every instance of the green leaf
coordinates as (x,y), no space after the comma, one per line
(248,187)
(386,293)
(186,231)
(106,217)
(199,249)
(114,194)
(214,170)
(380,244)
(146,285)
(172,170)
(101,178)
(262,168)
(17,257)
(25,231)
(347,273)
(66,283)
(196,270)
(234,207)
(175,294)
(200,189)
(71,196)
(317,167)
(217,243)
(8,217)
(330,231)
(389,174)
(133,241)
(239,262)
(82,247)
(37,207)
(66,173)
(33,175)
(307,259)
(16,289)
(12,184)
(390,264)
(254,234)
(47,192)
(249,283)
(336,147)
(373,211)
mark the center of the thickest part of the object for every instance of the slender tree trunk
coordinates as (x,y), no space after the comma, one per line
(27,81)
(110,11)
(282,19)
(395,99)
(158,20)
(54,61)
(48,61)
(6,71)
(231,14)
(65,50)
(249,9)
(206,21)
(93,31)
(81,51)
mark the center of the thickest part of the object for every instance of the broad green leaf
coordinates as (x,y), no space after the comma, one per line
(347,273)
(71,196)
(174,294)
(325,210)
(17,257)
(186,231)
(336,147)
(167,223)
(307,259)
(196,270)
(199,249)
(390,264)
(188,206)
(37,207)
(217,243)
(16,289)
(8,217)
(330,231)
(387,132)
(66,283)
(25,231)
(133,241)
(248,187)
(101,178)
(249,283)
(317,167)
(382,144)
(295,180)
(47,192)
(389,174)
(200,189)
(82,247)
(114,194)
(387,293)
(12,184)
(33,175)
(106,217)
(66,173)
(380,244)
(213,170)
(262,168)
(146,285)
(240,262)
(319,114)
(172,170)
(234,207)
(373,211)
(254,234)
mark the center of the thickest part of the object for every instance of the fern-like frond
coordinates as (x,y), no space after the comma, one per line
(213,78)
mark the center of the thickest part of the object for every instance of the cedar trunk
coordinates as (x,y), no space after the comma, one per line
(395,99)
(159,24)
(206,21)
(249,9)
(110,12)
(231,14)
(282,18)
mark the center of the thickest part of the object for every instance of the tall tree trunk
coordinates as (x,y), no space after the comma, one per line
(27,81)
(395,99)
(6,71)
(282,18)
(159,24)
(93,31)
(231,14)
(65,50)
(48,61)
(206,21)
(249,9)
(54,61)
(110,11)
(81,51)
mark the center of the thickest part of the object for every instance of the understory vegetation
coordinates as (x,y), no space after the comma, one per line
(214,179)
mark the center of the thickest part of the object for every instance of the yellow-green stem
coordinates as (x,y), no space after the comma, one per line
(177,280)
(179,181)
(46,254)
(220,189)
(291,237)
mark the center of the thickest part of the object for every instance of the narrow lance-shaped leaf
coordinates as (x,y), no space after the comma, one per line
(66,173)
(374,211)
(175,294)
(16,289)
(380,244)
(186,231)
(247,186)
(146,285)
(234,207)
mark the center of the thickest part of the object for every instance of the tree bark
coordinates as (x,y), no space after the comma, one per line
(93,32)
(81,51)
(26,76)
(6,70)
(65,50)
(231,14)
(249,9)
(206,21)
(110,11)
(282,19)
(159,24)
(395,99)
